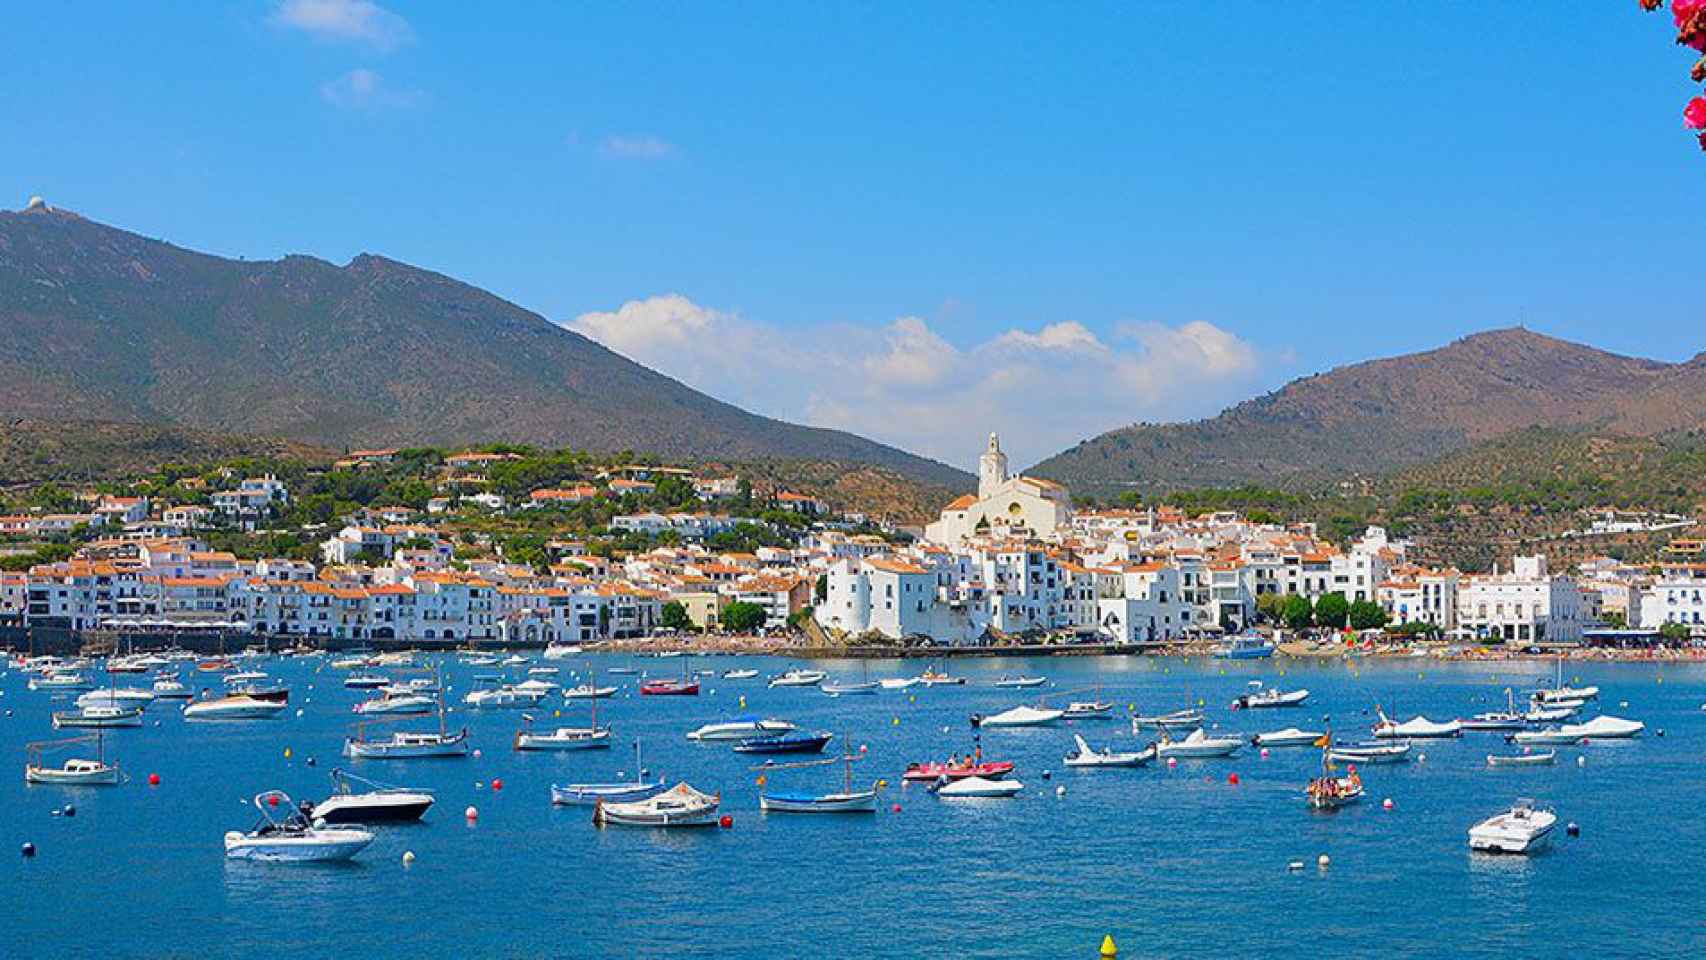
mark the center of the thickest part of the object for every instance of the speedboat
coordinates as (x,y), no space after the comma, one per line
(1178,718)
(1416,728)
(679,806)
(503,697)
(1197,745)
(1020,682)
(234,707)
(513,660)
(739,674)
(408,745)
(1559,694)
(1020,716)
(786,743)
(377,804)
(1289,737)
(1550,714)
(799,678)
(543,671)
(588,691)
(560,651)
(1083,709)
(245,676)
(1086,756)
(742,728)
(564,738)
(969,788)
(292,838)
(1549,736)
(1378,751)
(1268,697)
(960,770)
(98,716)
(365,681)
(1526,759)
(670,688)
(396,703)
(1521,829)
(897,683)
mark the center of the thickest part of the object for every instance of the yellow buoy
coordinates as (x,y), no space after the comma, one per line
(1109,948)
(896,721)
(287,753)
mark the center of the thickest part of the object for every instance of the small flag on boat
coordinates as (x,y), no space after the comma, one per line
(1322,741)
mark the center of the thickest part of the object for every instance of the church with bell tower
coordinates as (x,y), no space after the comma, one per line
(1005,504)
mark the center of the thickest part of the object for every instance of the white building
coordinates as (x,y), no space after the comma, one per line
(1525,605)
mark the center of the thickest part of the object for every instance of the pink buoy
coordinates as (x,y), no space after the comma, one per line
(1264,753)
(897,808)
(1386,804)
(1172,762)
(471,813)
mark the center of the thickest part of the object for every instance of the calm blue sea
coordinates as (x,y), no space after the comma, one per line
(1173,863)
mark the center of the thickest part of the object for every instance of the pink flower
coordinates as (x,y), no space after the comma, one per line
(1695,113)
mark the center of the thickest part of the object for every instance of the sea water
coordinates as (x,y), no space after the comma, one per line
(1172,862)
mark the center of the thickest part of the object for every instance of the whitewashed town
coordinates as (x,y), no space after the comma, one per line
(1013,563)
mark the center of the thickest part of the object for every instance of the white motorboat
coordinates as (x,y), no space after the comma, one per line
(539,686)
(291,837)
(1020,682)
(679,806)
(588,691)
(513,660)
(1379,751)
(975,788)
(404,703)
(1606,727)
(564,738)
(348,663)
(116,697)
(1269,697)
(1197,745)
(1550,714)
(543,671)
(1178,719)
(1526,759)
(897,683)
(1020,716)
(502,697)
(1549,736)
(245,676)
(61,681)
(74,771)
(799,678)
(234,707)
(1084,709)
(934,678)
(1523,828)
(169,688)
(1289,737)
(98,716)
(365,681)
(561,651)
(857,688)
(376,804)
(1086,756)
(1415,728)
(739,674)
(741,728)
(408,745)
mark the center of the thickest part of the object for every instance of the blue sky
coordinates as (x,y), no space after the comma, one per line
(1047,219)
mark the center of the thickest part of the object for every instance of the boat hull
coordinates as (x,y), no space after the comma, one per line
(857,802)
(51,776)
(325,846)
(589,794)
(371,808)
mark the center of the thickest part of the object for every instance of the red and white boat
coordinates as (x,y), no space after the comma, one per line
(993,770)
(670,688)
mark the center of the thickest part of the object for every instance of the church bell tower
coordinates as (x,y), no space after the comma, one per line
(991,469)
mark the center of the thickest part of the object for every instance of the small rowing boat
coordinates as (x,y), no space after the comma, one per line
(1020,682)
(1523,759)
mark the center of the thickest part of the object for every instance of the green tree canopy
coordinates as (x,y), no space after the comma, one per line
(1331,610)
(674,616)
(1366,615)
(743,617)
(1297,611)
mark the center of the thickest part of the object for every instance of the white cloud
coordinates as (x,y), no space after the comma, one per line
(366,89)
(905,384)
(359,21)
(636,147)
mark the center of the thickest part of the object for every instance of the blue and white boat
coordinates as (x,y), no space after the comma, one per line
(1247,647)
(620,791)
(847,800)
(786,743)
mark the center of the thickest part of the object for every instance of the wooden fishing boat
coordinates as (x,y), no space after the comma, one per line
(1540,759)
(679,806)
(620,791)
(847,800)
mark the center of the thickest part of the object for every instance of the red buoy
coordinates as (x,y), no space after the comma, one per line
(497,784)
(1232,778)
(726,822)
(154,779)
(272,801)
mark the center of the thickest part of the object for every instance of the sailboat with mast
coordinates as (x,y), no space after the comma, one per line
(408,744)
(591,737)
(848,800)
(620,791)
(75,771)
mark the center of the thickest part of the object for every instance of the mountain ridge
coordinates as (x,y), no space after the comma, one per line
(111,325)
(1378,415)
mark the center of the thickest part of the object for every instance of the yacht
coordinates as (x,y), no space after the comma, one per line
(396,703)
(171,688)
(588,691)
(73,772)
(61,680)
(741,728)
(234,707)
(799,678)
(1269,697)
(98,716)
(116,697)
(1523,828)
(564,738)
(291,837)
(408,745)
(1197,745)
